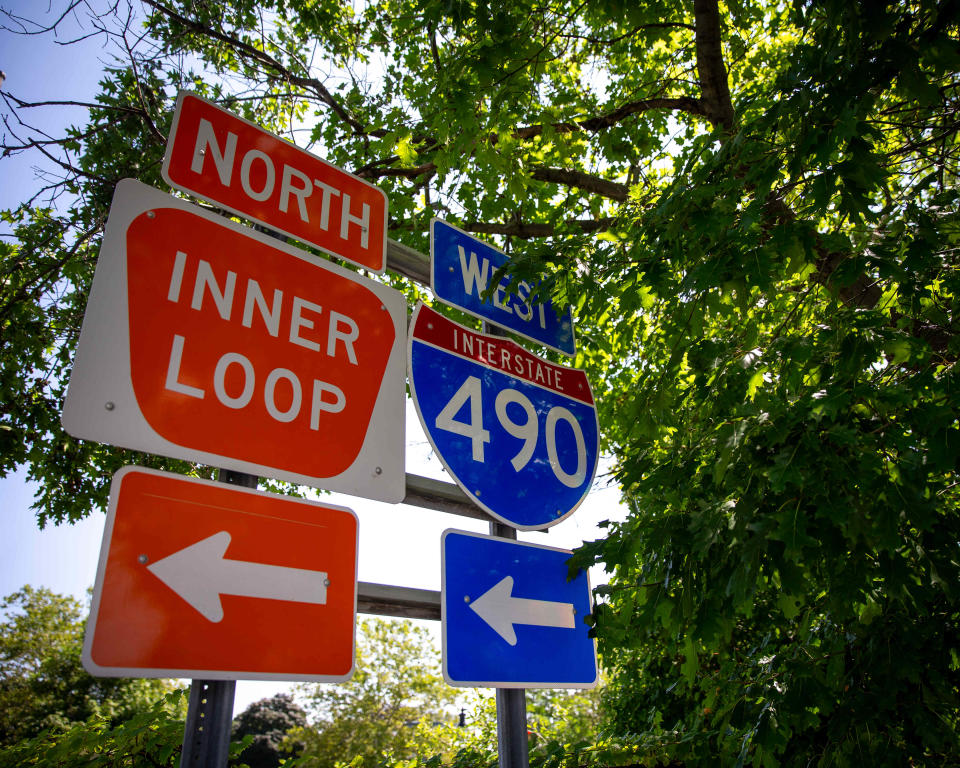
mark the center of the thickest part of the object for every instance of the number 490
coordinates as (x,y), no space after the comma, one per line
(527,430)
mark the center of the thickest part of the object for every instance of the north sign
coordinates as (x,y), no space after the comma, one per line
(510,616)
(210,581)
(208,342)
(517,433)
(219,156)
(462,270)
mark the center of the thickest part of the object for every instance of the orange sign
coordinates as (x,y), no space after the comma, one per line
(206,580)
(227,160)
(207,342)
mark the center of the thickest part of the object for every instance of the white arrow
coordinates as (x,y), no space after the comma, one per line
(501,611)
(199,573)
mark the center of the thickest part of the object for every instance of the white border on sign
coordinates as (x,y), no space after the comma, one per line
(101,404)
(164,172)
(443,619)
(198,674)
(507,328)
(464,486)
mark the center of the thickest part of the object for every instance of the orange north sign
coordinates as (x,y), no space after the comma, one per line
(206,580)
(227,160)
(211,343)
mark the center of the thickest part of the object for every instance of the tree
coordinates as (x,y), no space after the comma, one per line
(43,685)
(152,737)
(373,718)
(753,208)
(268,721)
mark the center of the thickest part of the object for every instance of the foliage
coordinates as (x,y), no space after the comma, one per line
(268,721)
(43,686)
(373,717)
(753,207)
(559,724)
(151,737)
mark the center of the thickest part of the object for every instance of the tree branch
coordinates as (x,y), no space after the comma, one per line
(525,230)
(715,90)
(584,181)
(631,33)
(267,61)
(600,122)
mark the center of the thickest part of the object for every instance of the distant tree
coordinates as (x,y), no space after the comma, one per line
(42,682)
(269,721)
(374,717)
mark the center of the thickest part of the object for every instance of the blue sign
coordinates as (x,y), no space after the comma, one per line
(462,268)
(510,617)
(518,434)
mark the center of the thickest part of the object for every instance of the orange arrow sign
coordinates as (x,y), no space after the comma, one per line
(206,580)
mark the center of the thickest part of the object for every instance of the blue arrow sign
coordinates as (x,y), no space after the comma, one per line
(518,434)
(510,617)
(461,270)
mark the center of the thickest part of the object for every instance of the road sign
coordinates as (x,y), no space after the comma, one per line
(219,156)
(217,582)
(462,268)
(518,434)
(510,617)
(208,342)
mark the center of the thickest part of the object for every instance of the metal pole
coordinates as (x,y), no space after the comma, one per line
(512,747)
(206,735)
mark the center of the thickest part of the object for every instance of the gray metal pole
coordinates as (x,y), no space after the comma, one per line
(512,747)
(206,735)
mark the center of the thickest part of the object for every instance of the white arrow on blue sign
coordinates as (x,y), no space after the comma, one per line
(518,434)
(461,270)
(510,616)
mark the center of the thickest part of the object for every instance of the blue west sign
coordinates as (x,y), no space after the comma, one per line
(510,616)
(517,433)
(462,269)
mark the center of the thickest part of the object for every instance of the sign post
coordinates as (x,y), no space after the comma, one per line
(208,726)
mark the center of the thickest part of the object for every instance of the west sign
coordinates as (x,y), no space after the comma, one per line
(206,580)
(208,342)
(227,160)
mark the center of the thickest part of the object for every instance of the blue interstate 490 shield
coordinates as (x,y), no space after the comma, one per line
(518,434)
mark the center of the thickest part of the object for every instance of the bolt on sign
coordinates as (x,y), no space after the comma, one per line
(208,342)
(220,157)
(200,579)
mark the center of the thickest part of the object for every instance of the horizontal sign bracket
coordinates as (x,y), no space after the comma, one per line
(404,602)
(442,497)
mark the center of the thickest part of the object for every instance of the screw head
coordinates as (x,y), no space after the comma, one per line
(143,559)
(151,215)
(109,405)
(378,470)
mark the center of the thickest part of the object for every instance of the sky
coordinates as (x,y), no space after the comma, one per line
(399,545)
